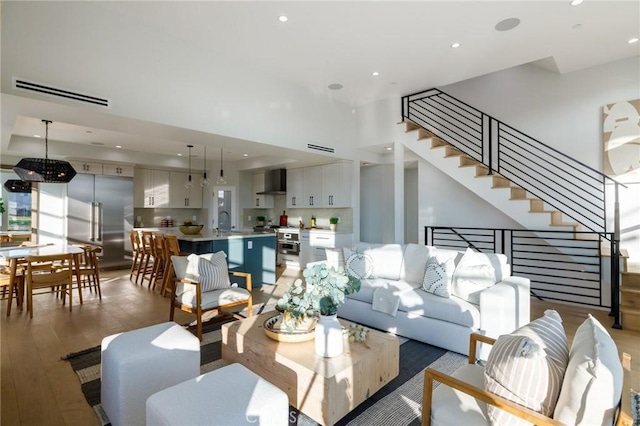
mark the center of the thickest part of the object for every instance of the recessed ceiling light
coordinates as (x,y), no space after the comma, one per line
(282,18)
(507,24)
(633,40)
(245,155)
(575,2)
(455,45)
(179,155)
(37,136)
(388,148)
(118,146)
(375,73)
(335,86)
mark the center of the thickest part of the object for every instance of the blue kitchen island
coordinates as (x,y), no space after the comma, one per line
(246,251)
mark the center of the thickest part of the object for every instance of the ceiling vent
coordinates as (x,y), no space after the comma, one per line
(59,93)
(320,148)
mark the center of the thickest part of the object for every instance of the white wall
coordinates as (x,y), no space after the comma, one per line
(376,204)
(411,205)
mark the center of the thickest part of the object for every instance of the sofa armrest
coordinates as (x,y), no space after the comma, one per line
(505,306)
(480,394)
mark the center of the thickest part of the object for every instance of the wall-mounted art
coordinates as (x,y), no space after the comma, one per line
(621,137)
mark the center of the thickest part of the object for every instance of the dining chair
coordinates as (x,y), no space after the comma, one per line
(38,278)
(87,271)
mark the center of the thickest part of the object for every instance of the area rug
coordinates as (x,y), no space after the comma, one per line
(397,403)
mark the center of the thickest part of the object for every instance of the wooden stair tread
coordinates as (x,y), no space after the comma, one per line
(634,290)
(628,310)
(606,251)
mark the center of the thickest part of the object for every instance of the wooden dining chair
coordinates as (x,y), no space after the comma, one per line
(38,278)
(87,272)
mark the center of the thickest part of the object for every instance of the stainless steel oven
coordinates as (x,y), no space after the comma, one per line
(288,243)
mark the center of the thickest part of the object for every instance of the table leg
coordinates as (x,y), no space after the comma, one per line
(14,286)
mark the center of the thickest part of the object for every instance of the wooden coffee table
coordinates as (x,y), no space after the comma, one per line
(325,389)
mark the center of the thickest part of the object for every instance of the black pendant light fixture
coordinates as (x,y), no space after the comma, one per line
(221,180)
(44,169)
(189,183)
(17,186)
(204,181)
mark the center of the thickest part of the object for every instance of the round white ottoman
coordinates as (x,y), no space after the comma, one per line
(139,363)
(231,395)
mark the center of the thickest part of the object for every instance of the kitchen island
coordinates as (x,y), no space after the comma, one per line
(246,251)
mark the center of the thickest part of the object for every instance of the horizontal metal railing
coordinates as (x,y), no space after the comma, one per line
(569,186)
(561,265)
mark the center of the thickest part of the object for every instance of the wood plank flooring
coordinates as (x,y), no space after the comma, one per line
(37,388)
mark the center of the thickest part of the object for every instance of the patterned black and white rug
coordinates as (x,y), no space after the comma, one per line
(398,403)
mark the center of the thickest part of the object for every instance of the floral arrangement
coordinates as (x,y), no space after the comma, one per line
(324,291)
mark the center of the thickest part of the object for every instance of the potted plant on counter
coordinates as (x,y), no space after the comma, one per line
(333,223)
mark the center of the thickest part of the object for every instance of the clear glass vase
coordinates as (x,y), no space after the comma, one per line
(329,340)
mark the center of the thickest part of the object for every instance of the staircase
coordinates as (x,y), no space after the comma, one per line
(534,184)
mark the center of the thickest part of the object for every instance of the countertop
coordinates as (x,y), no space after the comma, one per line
(319,230)
(209,235)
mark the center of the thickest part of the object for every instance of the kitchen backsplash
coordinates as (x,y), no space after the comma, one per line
(296,215)
(152,217)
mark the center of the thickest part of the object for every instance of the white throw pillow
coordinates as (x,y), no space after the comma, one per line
(358,265)
(471,276)
(592,385)
(437,277)
(527,367)
(210,270)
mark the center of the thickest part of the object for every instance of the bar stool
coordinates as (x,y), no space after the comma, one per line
(136,247)
(147,260)
(160,260)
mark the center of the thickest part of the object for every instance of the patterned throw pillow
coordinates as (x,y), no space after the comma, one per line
(358,265)
(471,277)
(527,367)
(210,270)
(437,277)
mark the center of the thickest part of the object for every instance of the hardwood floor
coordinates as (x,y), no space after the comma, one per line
(38,388)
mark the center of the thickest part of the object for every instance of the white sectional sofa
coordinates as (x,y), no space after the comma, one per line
(392,296)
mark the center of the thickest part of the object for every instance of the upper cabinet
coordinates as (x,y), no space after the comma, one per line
(117,170)
(295,187)
(110,169)
(261,201)
(336,185)
(151,188)
(328,185)
(180,195)
(87,167)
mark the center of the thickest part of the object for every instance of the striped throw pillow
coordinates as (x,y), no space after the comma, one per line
(527,367)
(211,270)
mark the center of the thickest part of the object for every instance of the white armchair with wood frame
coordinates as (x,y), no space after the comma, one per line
(202,284)
(592,395)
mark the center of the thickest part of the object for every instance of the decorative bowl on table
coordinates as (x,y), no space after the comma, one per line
(273,329)
(190,229)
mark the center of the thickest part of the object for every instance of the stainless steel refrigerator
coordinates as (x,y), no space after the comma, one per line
(100,212)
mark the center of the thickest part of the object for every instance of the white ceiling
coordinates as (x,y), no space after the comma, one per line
(344,42)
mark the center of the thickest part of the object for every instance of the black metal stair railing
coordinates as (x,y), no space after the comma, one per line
(575,189)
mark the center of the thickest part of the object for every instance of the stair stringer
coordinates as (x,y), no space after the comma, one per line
(500,198)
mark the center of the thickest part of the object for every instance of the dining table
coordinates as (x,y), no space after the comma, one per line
(13,255)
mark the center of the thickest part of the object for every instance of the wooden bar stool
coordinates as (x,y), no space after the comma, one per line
(136,247)
(146,270)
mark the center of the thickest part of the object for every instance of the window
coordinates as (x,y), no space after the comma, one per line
(17,206)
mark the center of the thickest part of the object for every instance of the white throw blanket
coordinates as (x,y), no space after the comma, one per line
(384,300)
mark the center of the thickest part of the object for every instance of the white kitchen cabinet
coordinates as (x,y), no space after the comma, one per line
(261,201)
(151,188)
(336,185)
(328,185)
(117,170)
(305,248)
(87,167)
(295,187)
(183,197)
(313,245)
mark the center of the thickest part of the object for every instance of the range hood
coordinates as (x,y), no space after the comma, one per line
(275,182)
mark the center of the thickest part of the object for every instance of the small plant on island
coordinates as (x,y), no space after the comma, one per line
(333,220)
